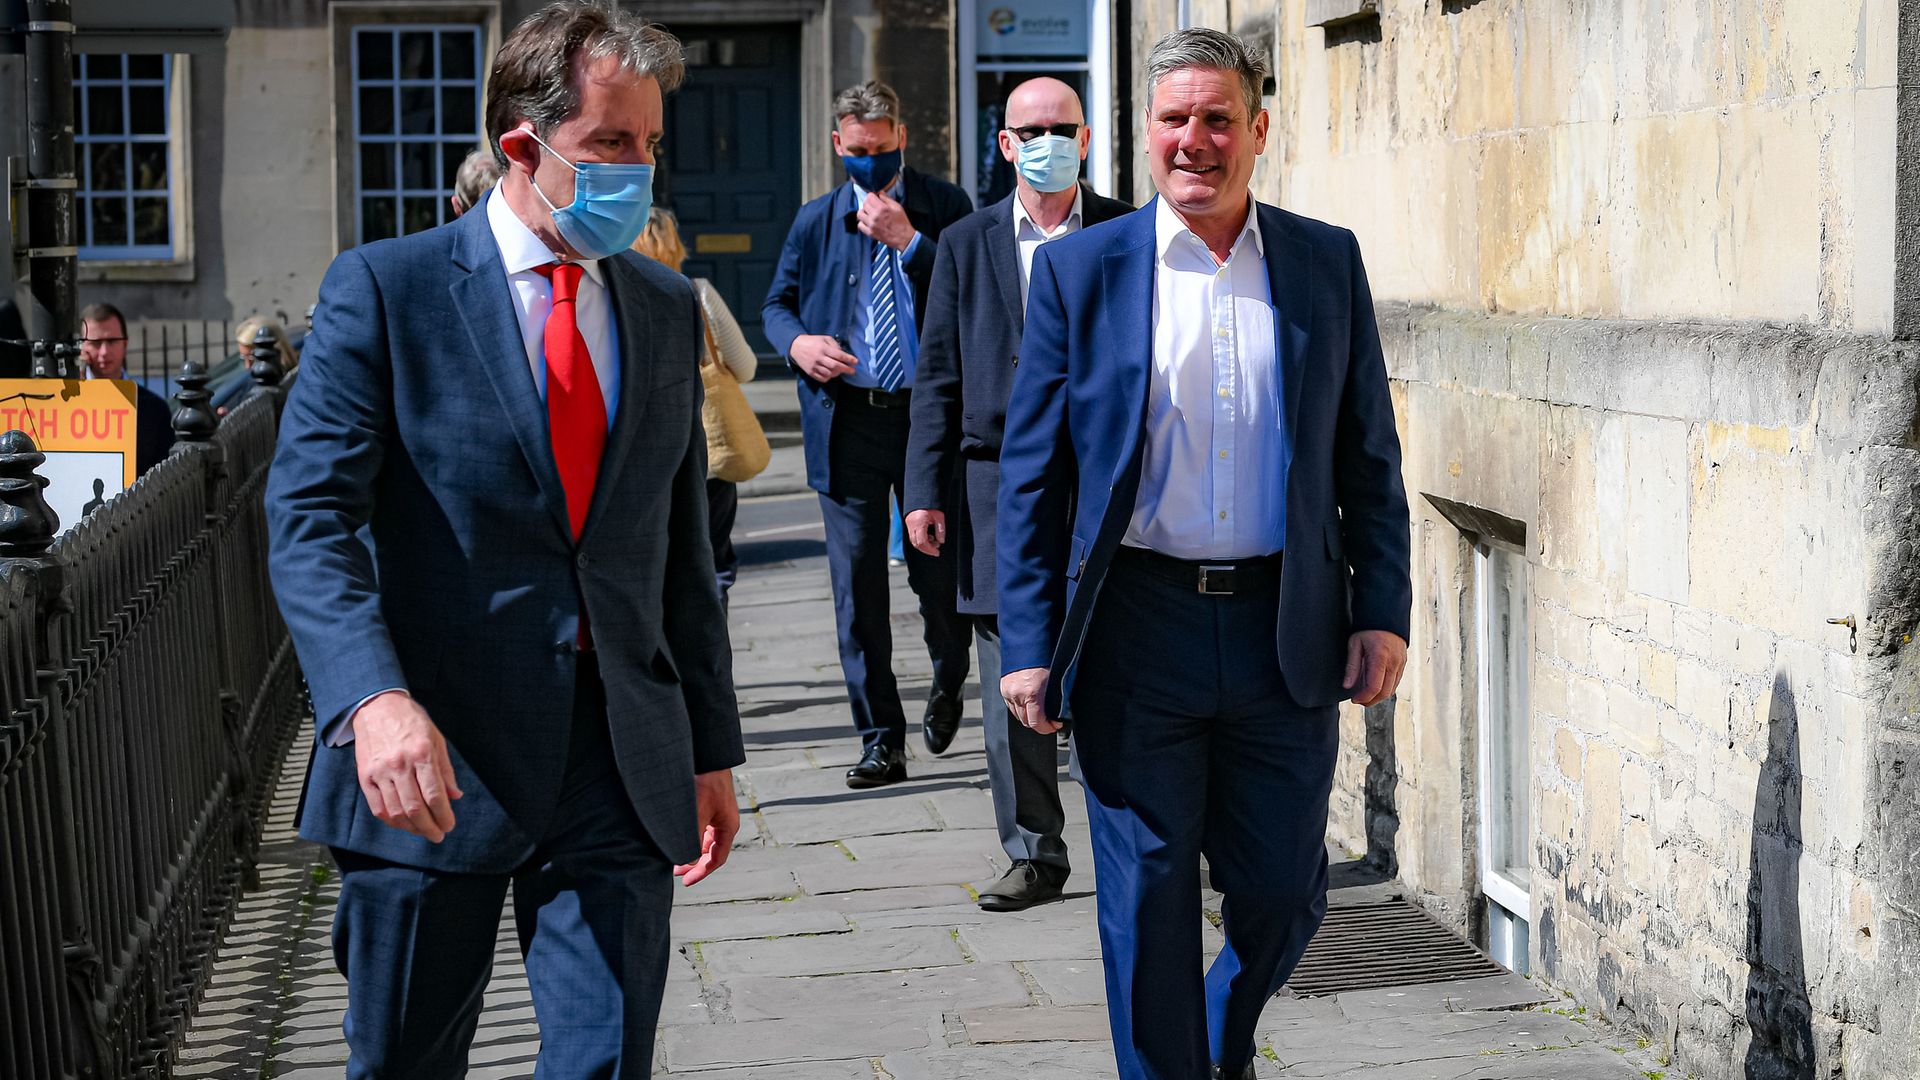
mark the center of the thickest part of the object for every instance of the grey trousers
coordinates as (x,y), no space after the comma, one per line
(1023,766)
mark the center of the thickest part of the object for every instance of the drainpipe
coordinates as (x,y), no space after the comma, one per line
(51,255)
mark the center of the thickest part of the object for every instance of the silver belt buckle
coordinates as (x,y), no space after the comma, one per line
(1210,585)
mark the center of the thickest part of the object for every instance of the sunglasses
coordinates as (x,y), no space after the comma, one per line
(1034,131)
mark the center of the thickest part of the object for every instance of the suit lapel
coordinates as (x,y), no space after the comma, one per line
(633,301)
(1289,282)
(487,311)
(1005,254)
(1127,312)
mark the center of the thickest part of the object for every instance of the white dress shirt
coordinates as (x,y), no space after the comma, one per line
(1213,481)
(520,252)
(1028,235)
(532,293)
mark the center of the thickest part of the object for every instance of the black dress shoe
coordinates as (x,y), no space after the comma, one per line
(878,767)
(941,721)
(1244,1074)
(1027,884)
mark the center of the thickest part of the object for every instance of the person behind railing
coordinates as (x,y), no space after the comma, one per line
(736,445)
(229,381)
(103,348)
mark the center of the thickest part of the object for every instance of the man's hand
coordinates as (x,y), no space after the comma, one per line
(719,814)
(927,530)
(886,221)
(1026,694)
(1375,660)
(405,772)
(821,358)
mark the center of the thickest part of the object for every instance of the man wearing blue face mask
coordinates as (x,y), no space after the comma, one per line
(845,309)
(967,360)
(489,532)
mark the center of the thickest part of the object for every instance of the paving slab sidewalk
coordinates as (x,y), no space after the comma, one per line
(842,942)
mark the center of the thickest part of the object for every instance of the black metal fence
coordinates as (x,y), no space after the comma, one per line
(149,689)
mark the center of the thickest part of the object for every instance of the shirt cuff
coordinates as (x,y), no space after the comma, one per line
(913,245)
(341,733)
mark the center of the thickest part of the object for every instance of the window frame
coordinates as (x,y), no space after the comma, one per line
(172,261)
(1512,898)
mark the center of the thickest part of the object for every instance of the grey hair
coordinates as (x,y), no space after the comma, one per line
(1200,47)
(870,100)
(533,76)
(477,174)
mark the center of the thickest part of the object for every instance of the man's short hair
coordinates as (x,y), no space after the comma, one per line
(870,100)
(476,175)
(534,75)
(1200,47)
(101,312)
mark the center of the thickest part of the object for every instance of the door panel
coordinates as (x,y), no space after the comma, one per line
(731,165)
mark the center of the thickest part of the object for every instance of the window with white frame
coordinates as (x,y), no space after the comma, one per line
(416,116)
(1500,586)
(127,155)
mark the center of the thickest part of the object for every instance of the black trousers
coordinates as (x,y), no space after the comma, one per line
(723,506)
(867,465)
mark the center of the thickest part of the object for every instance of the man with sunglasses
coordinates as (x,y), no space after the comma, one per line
(971,347)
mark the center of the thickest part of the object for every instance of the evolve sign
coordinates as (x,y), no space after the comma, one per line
(1034,28)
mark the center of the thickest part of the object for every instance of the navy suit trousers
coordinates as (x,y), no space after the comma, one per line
(591,908)
(869,467)
(1190,744)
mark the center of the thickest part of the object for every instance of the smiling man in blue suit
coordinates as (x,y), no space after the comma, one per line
(489,541)
(1203,550)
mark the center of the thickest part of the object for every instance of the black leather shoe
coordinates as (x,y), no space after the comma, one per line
(878,767)
(1245,1074)
(941,722)
(1027,884)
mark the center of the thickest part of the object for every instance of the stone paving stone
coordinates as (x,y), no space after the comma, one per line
(889,993)
(1048,1060)
(1498,992)
(1069,982)
(1036,1023)
(782,1042)
(841,954)
(746,919)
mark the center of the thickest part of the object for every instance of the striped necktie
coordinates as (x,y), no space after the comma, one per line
(889,367)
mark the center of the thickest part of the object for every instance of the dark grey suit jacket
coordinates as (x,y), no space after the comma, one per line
(969,349)
(420,539)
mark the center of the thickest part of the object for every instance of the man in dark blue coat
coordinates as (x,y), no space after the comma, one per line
(845,309)
(489,541)
(1204,546)
(968,357)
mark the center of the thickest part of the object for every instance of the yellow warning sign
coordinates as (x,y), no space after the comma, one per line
(86,427)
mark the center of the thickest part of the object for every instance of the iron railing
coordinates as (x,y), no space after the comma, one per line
(147,691)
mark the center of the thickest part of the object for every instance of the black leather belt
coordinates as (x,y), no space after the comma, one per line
(1209,577)
(876,397)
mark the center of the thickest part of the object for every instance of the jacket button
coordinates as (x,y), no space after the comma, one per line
(1081,572)
(581,560)
(852,279)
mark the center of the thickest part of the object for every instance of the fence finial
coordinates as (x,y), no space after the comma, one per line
(268,367)
(194,421)
(27,524)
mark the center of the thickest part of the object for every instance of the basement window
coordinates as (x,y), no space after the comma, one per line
(1500,589)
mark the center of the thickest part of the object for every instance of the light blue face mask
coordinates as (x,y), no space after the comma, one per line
(1049,162)
(609,207)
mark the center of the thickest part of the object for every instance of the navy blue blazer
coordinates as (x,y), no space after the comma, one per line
(968,354)
(1070,464)
(420,539)
(818,282)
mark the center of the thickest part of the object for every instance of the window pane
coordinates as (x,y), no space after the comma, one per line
(376,110)
(423,213)
(376,166)
(109,217)
(150,221)
(150,166)
(146,66)
(104,113)
(416,110)
(103,66)
(148,108)
(416,166)
(377,220)
(456,110)
(451,155)
(108,162)
(416,54)
(456,54)
(376,54)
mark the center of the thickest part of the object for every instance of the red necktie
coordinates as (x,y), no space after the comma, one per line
(576,413)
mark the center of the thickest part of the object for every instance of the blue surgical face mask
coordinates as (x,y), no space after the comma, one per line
(609,207)
(1049,162)
(874,171)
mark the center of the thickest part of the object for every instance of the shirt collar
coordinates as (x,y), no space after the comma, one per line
(1168,229)
(893,188)
(1021,219)
(520,250)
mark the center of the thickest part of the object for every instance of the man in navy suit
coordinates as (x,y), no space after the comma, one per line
(489,541)
(968,356)
(845,309)
(1203,550)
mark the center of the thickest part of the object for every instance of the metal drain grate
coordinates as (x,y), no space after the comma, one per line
(1387,943)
